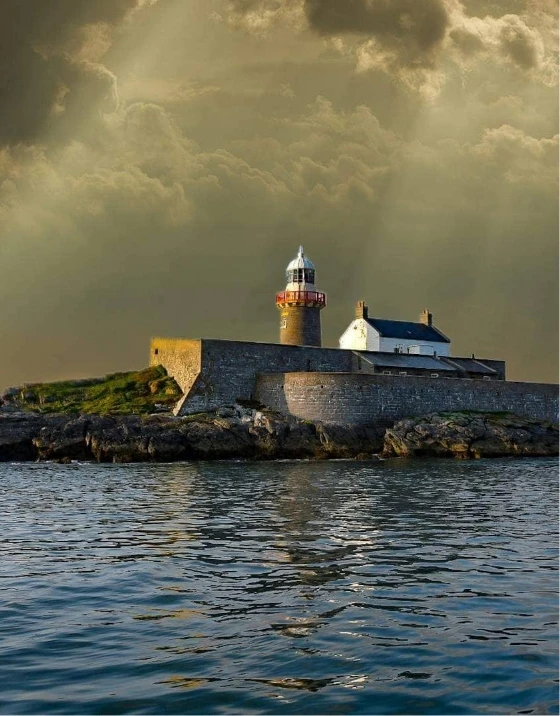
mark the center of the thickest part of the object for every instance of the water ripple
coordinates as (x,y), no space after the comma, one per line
(391,587)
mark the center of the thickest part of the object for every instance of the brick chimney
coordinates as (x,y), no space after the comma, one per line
(426,317)
(361,310)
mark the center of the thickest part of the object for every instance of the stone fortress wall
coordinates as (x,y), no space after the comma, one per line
(330,384)
(359,398)
(218,372)
(181,357)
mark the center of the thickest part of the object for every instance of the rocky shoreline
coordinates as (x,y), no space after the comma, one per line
(234,432)
(471,435)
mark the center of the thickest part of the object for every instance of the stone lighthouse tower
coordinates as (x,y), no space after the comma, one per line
(300,304)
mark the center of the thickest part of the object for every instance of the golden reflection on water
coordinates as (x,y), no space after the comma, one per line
(305,507)
(177,614)
(184,682)
(297,627)
(296,683)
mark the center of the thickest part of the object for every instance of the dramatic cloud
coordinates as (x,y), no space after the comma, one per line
(411,28)
(426,178)
(413,40)
(259,16)
(508,36)
(49,56)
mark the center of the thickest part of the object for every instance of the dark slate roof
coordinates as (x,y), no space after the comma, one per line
(405,360)
(470,365)
(407,330)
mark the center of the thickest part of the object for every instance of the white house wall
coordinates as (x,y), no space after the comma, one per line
(355,337)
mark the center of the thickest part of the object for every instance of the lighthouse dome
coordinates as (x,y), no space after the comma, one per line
(300,262)
(300,273)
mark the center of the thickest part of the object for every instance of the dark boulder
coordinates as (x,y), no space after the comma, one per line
(17,431)
(471,435)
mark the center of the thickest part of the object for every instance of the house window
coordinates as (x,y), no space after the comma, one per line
(486,377)
(403,372)
(386,372)
(156,351)
(284,323)
(434,375)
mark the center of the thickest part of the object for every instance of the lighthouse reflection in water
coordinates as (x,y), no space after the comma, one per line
(287,587)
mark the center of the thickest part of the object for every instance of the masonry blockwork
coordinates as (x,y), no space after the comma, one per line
(341,386)
(300,326)
(358,399)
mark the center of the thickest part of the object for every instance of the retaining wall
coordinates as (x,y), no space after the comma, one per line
(358,398)
(228,369)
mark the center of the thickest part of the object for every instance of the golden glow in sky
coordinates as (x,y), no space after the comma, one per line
(161,161)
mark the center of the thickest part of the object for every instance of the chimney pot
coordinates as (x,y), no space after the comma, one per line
(426,317)
(361,310)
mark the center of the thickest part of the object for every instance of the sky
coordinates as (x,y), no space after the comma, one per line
(162,160)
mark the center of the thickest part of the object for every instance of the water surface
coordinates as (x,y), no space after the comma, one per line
(396,587)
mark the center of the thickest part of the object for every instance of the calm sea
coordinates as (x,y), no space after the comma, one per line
(396,587)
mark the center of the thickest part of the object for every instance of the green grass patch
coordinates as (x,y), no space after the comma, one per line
(136,392)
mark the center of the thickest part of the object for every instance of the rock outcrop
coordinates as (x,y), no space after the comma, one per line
(230,432)
(470,435)
(240,432)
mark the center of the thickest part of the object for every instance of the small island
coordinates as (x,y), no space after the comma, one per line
(391,389)
(127,417)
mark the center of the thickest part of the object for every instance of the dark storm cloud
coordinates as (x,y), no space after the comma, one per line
(40,66)
(417,25)
(402,37)
(496,8)
(410,29)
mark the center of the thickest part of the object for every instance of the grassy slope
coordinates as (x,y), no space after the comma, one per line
(117,394)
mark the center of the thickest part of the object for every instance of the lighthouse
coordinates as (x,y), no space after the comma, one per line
(300,304)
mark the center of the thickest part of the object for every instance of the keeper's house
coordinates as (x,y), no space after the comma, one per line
(382,335)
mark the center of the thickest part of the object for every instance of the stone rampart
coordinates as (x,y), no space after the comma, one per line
(329,384)
(358,398)
(181,357)
(229,369)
